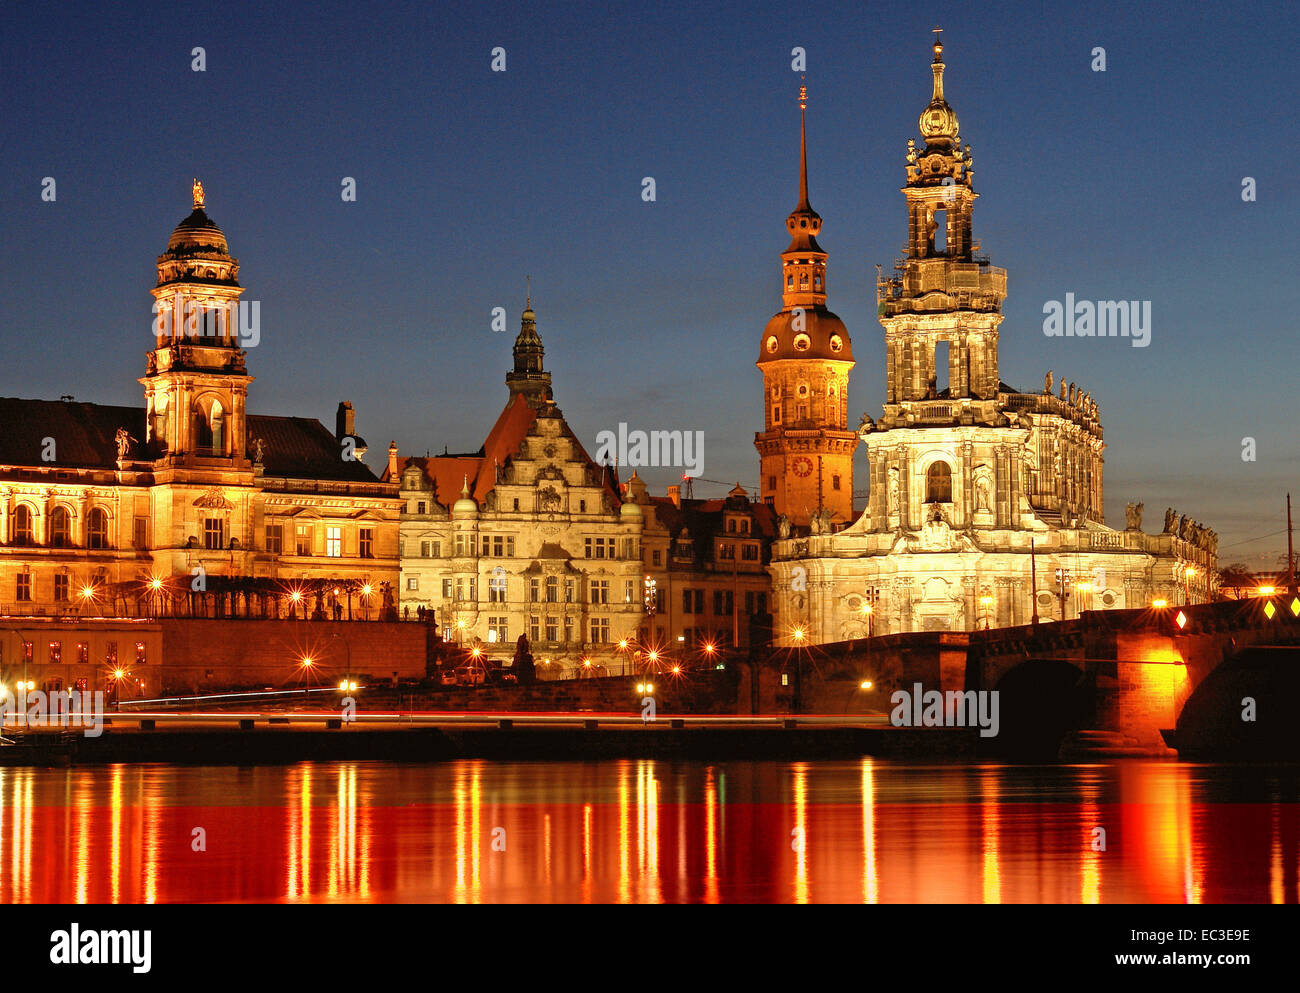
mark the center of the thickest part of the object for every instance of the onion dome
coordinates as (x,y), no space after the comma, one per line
(938,122)
(464,507)
(805,333)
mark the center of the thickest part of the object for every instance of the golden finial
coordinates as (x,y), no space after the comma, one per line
(938,44)
(198,195)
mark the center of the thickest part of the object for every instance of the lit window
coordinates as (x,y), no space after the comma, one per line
(334,542)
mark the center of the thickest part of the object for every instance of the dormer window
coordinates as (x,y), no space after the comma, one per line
(802,343)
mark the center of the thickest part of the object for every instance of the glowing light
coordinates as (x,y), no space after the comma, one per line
(1159,604)
(87,592)
(710,648)
(365,590)
(343,686)
(1267,590)
(1182,618)
(640,688)
(155,583)
(677,670)
(308,661)
(117,674)
(865,684)
(296,596)
(586,663)
(477,652)
(1295,606)
(622,644)
(460,624)
(798,634)
(987,601)
(653,655)
(1269,610)
(866,608)
(649,687)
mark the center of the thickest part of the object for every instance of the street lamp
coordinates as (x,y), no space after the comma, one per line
(986,602)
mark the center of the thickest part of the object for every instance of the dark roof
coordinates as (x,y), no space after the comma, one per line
(704,521)
(84,438)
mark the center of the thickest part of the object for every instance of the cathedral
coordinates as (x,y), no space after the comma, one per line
(190,504)
(985,503)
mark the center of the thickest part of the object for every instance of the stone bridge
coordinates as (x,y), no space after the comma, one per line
(1110,683)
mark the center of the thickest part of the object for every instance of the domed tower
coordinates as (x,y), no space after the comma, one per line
(806,449)
(196,384)
(528,376)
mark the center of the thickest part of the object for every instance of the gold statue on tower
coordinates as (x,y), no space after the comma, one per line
(198,195)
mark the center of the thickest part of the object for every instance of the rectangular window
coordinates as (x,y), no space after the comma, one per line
(460,545)
(687,601)
(552,590)
(446,589)
(140,535)
(835,482)
(421,507)
(510,546)
(749,552)
(83,653)
(586,548)
(599,590)
(302,539)
(60,589)
(771,482)
(412,582)
(366,544)
(23,592)
(629,591)
(140,653)
(497,589)
(552,632)
(110,654)
(426,549)
(274,538)
(534,588)
(727,551)
(699,601)
(600,630)
(214,533)
(56,652)
(656,557)
(568,590)
(334,542)
(568,630)
(498,545)
(498,630)
(717,603)
(534,629)
(749,602)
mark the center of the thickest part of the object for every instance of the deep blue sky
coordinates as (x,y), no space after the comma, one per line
(1122,184)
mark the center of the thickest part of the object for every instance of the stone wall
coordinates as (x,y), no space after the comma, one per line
(201,655)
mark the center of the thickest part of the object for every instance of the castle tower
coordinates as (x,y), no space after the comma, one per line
(806,450)
(528,376)
(196,384)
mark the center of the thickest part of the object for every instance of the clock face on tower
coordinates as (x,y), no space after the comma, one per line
(802,466)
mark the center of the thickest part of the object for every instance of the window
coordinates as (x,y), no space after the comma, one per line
(56,652)
(749,601)
(534,626)
(366,544)
(334,542)
(460,545)
(568,630)
(140,653)
(731,525)
(656,557)
(600,630)
(599,589)
(516,503)
(23,591)
(692,601)
(302,542)
(498,545)
(749,552)
(552,590)
(510,546)
(421,507)
(586,548)
(412,582)
(21,533)
(534,588)
(727,551)
(83,653)
(97,528)
(582,506)
(552,631)
(446,589)
(214,533)
(60,535)
(60,588)
(498,629)
(275,538)
(497,589)
(771,482)
(629,591)
(110,654)
(568,591)
(140,533)
(938,483)
(835,482)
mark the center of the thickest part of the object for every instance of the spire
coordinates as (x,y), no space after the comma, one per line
(529,375)
(938,123)
(803,151)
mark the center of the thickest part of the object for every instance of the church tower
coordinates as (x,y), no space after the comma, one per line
(528,377)
(196,384)
(806,449)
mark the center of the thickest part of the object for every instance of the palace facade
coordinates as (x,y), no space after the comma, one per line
(985,503)
(189,503)
(527,535)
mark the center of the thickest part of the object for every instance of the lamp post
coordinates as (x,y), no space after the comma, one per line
(1062,587)
(986,602)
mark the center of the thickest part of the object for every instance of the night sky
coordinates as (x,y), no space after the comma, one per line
(1123,184)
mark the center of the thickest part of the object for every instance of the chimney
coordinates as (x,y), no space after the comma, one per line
(675,495)
(344,421)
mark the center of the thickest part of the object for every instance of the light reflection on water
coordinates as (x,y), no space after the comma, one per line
(652,831)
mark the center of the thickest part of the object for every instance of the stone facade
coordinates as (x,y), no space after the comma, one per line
(528,535)
(985,505)
(105,506)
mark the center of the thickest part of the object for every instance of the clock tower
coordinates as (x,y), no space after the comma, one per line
(806,449)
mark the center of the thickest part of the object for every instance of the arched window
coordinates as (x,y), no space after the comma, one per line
(97,528)
(218,428)
(60,528)
(209,427)
(938,483)
(22,533)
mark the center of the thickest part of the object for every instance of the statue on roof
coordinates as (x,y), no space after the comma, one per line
(124,443)
(1047,382)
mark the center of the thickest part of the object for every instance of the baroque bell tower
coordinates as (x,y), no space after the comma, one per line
(529,377)
(196,383)
(806,449)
